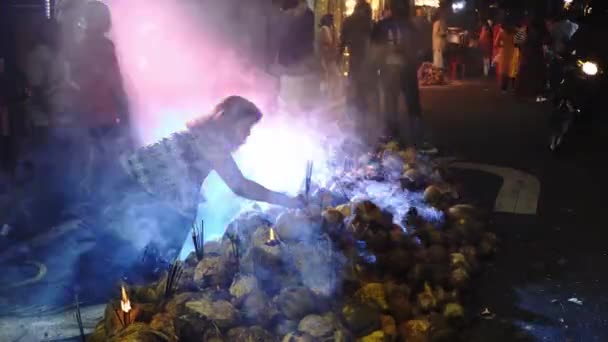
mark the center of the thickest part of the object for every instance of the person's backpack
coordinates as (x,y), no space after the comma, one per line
(520,37)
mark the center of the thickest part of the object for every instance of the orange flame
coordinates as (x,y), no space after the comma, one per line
(125,303)
(271,238)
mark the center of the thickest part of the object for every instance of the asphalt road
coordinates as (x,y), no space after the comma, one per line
(544,259)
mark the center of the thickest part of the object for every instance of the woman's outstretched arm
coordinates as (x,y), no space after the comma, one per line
(229,171)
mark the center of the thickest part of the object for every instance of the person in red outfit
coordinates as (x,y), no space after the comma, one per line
(102,103)
(486,45)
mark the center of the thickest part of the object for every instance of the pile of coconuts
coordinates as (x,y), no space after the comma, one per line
(339,270)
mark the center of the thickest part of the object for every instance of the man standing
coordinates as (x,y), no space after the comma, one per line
(356,35)
(299,83)
(5,129)
(424,28)
(406,47)
(561,30)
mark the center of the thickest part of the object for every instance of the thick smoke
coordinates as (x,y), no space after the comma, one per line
(180,58)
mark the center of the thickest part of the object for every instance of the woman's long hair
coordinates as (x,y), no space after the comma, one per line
(226,114)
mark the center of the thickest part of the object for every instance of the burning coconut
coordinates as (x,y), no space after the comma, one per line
(370,259)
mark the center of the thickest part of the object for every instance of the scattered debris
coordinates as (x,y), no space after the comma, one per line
(6,229)
(576,301)
(487,314)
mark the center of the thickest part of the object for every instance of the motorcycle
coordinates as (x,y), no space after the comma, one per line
(576,94)
(584,68)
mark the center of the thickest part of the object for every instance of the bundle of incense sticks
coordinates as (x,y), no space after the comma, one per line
(173,277)
(234,241)
(198,238)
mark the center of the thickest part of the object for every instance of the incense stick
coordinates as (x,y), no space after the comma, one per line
(198,239)
(308,179)
(118,317)
(79,319)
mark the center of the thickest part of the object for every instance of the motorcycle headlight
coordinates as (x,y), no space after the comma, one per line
(589,68)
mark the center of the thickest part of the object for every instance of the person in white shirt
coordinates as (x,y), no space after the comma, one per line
(439,40)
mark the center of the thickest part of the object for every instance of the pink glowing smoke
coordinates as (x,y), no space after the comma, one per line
(176,68)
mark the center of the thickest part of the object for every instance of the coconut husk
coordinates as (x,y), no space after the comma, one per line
(164,323)
(376,336)
(293,227)
(433,195)
(441,330)
(140,332)
(415,330)
(146,294)
(429,235)
(99,334)
(317,326)
(409,155)
(440,273)
(361,319)
(249,334)
(246,224)
(258,309)
(243,285)
(377,240)
(368,212)
(190,327)
(284,327)
(437,254)
(221,312)
(176,304)
(373,294)
(399,262)
(389,327)
(459,278)
(296,302)
(298,336)
(426,300)
(213,271)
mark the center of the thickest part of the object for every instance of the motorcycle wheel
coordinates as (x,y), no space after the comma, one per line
(561,122)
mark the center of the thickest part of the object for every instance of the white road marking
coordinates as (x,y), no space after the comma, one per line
(519,192)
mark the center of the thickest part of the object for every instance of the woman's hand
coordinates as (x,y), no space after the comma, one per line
(297,202)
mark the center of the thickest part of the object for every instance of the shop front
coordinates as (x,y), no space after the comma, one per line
(343,8)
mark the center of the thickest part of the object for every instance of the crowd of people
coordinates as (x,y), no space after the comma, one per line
(73,111)
(381,59)
(77,113)
(524,52)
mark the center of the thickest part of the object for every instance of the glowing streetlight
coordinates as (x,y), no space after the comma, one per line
(350,6)
(47,8)
(458,6)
